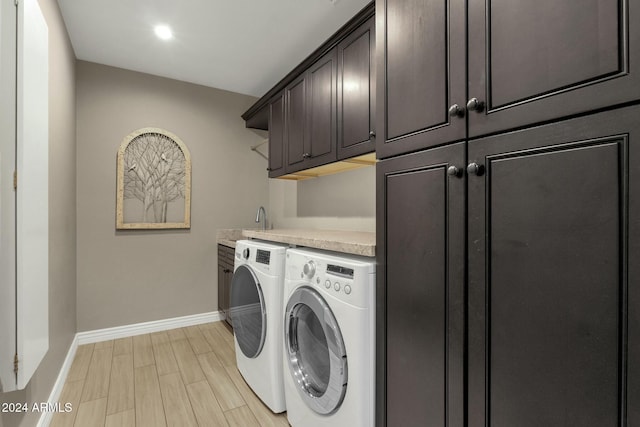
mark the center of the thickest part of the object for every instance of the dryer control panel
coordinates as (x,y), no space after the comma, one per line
(348,278)
(339,278)
(340,271)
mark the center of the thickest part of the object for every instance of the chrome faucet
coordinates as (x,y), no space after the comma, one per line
(264,216)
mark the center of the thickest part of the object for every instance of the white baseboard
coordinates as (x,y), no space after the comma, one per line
(47,417)
(98,335)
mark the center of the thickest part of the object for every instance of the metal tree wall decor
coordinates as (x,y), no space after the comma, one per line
(154,181)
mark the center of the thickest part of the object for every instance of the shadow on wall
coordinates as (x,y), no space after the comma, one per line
(346,194)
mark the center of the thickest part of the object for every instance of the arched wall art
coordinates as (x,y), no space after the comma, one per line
(154,181)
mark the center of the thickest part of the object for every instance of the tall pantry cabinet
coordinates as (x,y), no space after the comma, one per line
(508,213)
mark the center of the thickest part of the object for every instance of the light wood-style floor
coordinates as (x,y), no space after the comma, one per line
(182,377)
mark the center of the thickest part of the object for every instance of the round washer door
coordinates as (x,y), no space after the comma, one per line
(248,311)
(315,351)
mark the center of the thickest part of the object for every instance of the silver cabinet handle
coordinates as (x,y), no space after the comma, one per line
(474,105)
(454,171)
(475,169)
(456,111)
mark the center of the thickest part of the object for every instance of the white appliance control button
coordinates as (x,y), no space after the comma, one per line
(318,280)
(347,289)
(327,284)
(336,286)
(309,269)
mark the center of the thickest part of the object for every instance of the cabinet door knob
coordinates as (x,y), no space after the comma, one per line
(306,155)
(269,169)
(454,171)
(474,105)
(474,169)
(456,111)
(372,134)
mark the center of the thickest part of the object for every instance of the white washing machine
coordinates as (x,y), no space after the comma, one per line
(256,310)
(329,348)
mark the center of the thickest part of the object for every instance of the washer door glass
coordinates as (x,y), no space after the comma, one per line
(248,311)
(315,351)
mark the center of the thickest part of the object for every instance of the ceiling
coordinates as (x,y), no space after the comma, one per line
(244,46)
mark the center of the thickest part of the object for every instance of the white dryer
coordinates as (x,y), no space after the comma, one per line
(256,310)
(329,328)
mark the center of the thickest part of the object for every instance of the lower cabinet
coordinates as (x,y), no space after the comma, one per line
(225,272)
(420,246)
(509,289)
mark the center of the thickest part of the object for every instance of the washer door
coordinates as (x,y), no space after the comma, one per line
(315,351)
(248,311)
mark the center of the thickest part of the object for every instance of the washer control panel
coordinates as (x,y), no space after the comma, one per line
(263,257)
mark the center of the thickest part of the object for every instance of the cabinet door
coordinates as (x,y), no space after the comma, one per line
(32,193)
(320,128)
(228,275)
(222,294)
(225,273)
(276,136)
(295,124)
(356,82)
(420,74)
(420,289)
(554,307)
(533,61)
(8,21)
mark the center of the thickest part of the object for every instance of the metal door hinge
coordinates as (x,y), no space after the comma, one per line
(15,364)
(15,180)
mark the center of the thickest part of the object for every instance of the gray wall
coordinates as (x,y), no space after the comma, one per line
(127,277)
(343,201)
(62,218)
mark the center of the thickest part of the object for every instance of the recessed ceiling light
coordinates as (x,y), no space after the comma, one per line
(163,32)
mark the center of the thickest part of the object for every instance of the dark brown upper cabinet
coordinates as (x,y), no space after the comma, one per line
(320,127)
(311,116)
(322,111)
(534,61)
(295,120)
(527,62)
(421,80)
(356,92)
(276,136)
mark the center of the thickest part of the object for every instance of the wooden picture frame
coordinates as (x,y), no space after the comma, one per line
(154,181)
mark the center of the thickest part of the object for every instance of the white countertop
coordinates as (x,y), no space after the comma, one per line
(351,242)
